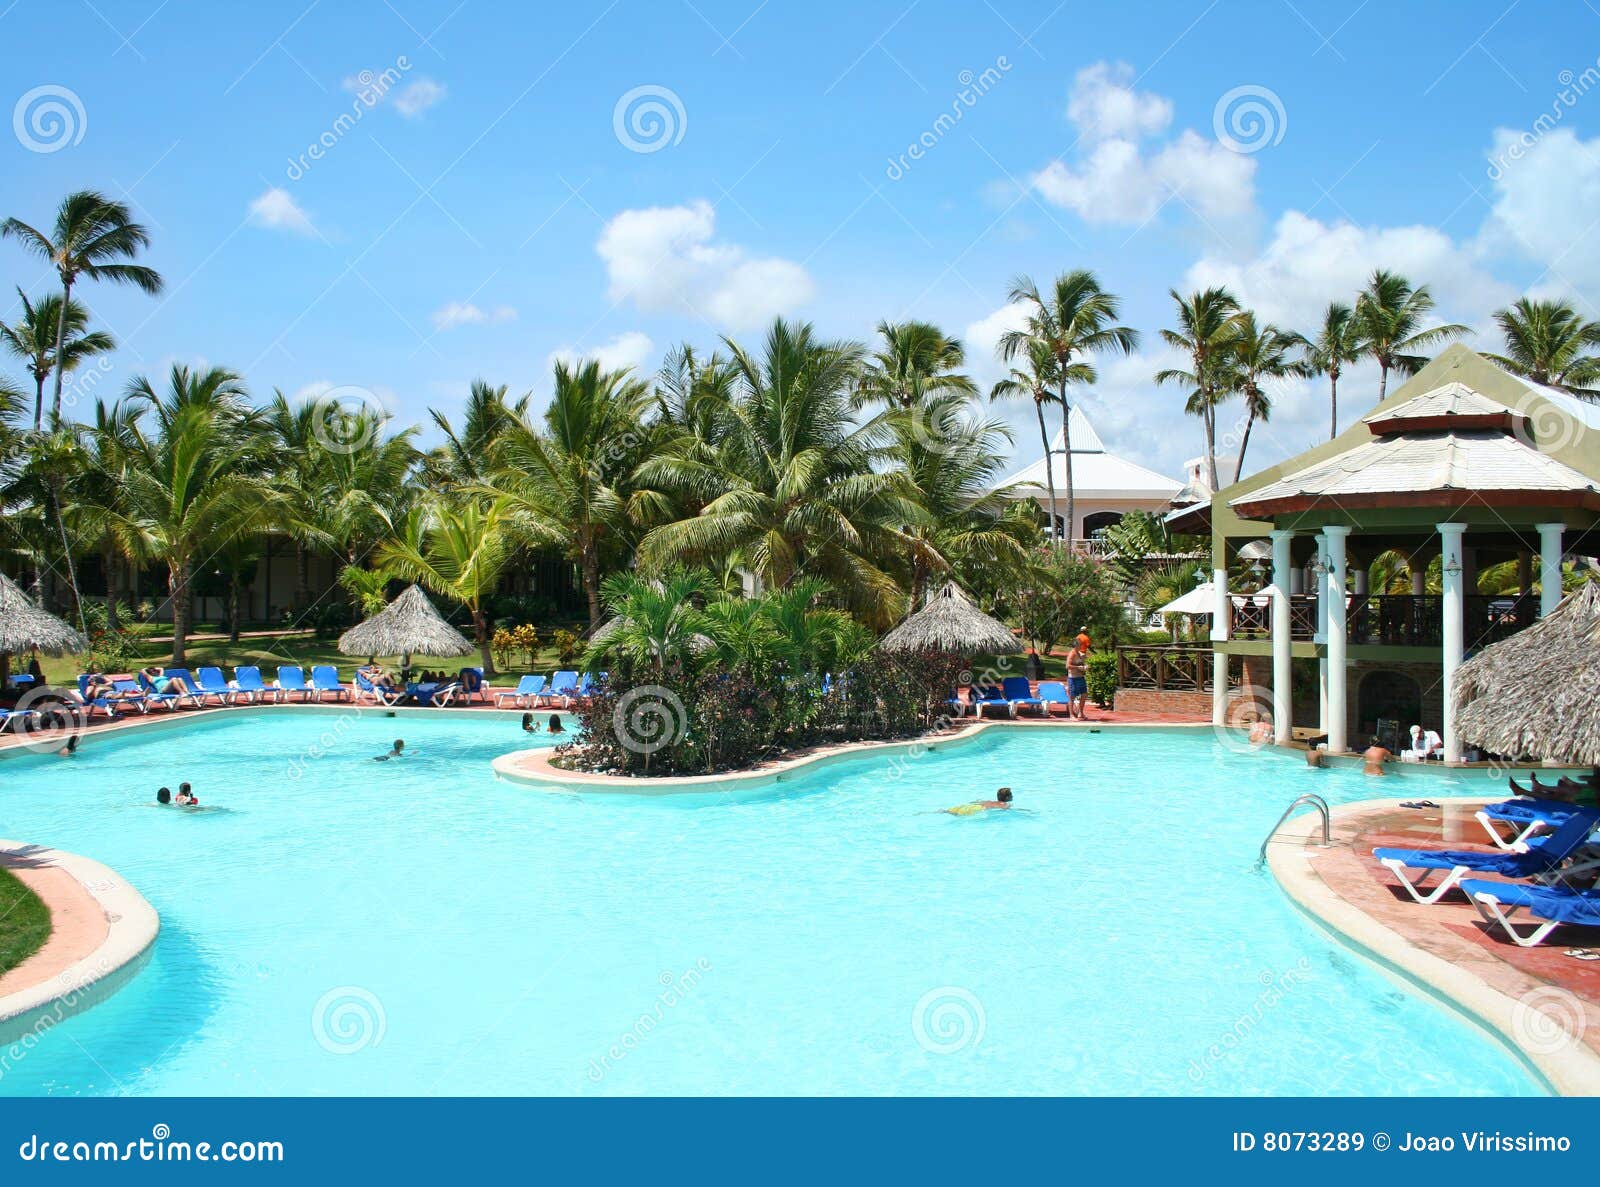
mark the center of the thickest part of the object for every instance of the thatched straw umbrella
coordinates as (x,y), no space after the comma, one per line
(1534,695)
(25,627)
(407,626)
(951,622)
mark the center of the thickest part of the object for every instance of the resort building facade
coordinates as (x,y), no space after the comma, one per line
(1463,467)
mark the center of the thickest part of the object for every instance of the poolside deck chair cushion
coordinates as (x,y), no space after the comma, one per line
(528,687)
(325,680)
(292,679)
(1497,902)
(1527,815)
(1053,692)
(1541,856)
(562,684)
(1017,690)
(248,680)
(209,683)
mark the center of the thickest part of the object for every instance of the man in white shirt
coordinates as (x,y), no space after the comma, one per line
(1425,744)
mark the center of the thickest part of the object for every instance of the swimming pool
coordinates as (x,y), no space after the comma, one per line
(416,926)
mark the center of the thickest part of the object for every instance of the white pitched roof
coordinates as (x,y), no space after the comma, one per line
(1453,399)
(1096,474)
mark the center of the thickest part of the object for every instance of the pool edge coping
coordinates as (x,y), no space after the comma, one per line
(1572,1070)
(132,926)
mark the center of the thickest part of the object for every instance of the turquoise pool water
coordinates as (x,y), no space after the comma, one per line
(416,926)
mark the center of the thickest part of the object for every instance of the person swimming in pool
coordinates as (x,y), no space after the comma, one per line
(397,752)
(186,797)
(70,748)
(529,726)
(555,724)
(164,797)
(1002,800)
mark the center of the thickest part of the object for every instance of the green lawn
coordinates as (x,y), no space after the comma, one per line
(24,922)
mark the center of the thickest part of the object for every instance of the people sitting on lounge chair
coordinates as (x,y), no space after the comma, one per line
(1425,744)
(161,682)
(377,677)
(1375,755)
(1002,800)
(397,752)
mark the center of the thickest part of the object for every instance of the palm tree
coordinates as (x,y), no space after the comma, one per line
(1036,384)
(1388,326)
(1327,353)
(792,487)
(92,238)
(569,483)
(458,547)
(37,337)
(660,621)
(1076,320)
(1549,343)
(1207,331)
(1260,353)
(916,363)
(463,459)
(193,478)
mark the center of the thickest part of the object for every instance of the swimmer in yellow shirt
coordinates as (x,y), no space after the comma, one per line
(1002,799)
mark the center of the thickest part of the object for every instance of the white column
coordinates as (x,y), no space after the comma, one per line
(1321,591)
(1453,617)
(1282,642)
(1221,610)
(1549,566)
(1419,577)
(1337,629)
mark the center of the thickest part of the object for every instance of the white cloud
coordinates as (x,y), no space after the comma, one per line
(630,349)
(1547,194)
(1118,183)
(416,97)
(665,259)
(1103,104)
(277,210)
(464,313)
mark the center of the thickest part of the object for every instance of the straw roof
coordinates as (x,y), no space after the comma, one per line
(951,622)
(409,625)
(1533,695)
(24,627)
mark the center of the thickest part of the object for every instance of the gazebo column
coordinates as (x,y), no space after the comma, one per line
(1549,566)
(1453,620)
(1336,629)
(1282,642)
(1221,610)
(1321,592)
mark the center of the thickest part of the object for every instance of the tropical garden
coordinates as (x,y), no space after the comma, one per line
(761,509)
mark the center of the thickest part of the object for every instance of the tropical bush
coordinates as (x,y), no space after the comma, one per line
(1101,673)
(1062,592)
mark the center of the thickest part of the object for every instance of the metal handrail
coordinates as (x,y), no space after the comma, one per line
(1321,806)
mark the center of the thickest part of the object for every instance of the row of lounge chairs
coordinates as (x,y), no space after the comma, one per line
(1549,846)
(562,688)
(1011,694)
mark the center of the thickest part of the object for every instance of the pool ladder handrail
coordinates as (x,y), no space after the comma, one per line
(1315,801)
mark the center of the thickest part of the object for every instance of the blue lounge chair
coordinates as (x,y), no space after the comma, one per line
(127,693)
(1525,815)
(383,696)
(470,684)
(209,683)
(1497,902)
(985,695)
(527,691)
(107,705)
(325,679)
(955,702)
(247,682)
(292,679)
(1018,690)
(563,685)
(16,718)
(189,681)
(1541,859)
(435,694)
(167,700)
(1053,692)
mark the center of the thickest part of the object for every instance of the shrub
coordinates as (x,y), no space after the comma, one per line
(567,645)
(1100,671)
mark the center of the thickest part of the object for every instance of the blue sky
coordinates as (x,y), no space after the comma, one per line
(484,212)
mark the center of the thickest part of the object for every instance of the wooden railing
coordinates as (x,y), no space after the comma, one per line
(1176,668)
(1392,620)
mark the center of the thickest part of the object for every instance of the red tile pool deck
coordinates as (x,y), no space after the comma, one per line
(1542,1002)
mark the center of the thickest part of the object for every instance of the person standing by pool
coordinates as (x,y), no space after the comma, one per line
(1078,679)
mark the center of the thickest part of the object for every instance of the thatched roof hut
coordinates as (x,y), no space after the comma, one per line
(407,626)
(25,627)
(951,622)
(1534,695)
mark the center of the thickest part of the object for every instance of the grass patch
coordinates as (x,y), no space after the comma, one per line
(24,922)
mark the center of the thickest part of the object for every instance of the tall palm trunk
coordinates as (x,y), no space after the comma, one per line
(38,400)
(1333,403)
(178,592)
(61,337)
(1049,466)
(1244,444)
(1383,379)
(1066,451)
(1208,418)
(590,562)
(480,627)
(108,562)
(66,555)
(302,578)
